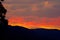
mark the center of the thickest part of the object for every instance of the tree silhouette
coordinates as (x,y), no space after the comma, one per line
(3,21)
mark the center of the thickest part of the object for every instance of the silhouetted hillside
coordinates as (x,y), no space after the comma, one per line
(21,33)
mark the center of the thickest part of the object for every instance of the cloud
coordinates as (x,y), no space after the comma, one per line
(41,9)
(33,12)
(32,22)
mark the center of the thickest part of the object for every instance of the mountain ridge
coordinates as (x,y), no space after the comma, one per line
(21,33)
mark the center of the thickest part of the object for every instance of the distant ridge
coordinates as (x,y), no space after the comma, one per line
(21,33)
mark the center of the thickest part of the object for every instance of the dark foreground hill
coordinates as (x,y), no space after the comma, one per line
(21,33)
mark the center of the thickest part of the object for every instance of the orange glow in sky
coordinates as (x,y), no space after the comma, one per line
(53,24)
(33,14)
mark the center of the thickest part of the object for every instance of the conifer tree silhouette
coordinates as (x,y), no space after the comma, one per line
(3,21)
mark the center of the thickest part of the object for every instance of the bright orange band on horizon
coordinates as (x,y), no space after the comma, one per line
(53,24)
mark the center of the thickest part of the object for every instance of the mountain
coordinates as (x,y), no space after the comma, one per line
(21,33)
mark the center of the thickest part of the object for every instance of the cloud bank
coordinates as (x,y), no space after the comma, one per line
(33,13)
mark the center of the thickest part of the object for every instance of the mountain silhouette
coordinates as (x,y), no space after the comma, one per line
(8,32)
(21,33)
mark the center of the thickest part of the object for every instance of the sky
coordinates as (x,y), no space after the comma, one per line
(33,14)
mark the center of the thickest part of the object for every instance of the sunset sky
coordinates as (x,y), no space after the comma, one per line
(33,13)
